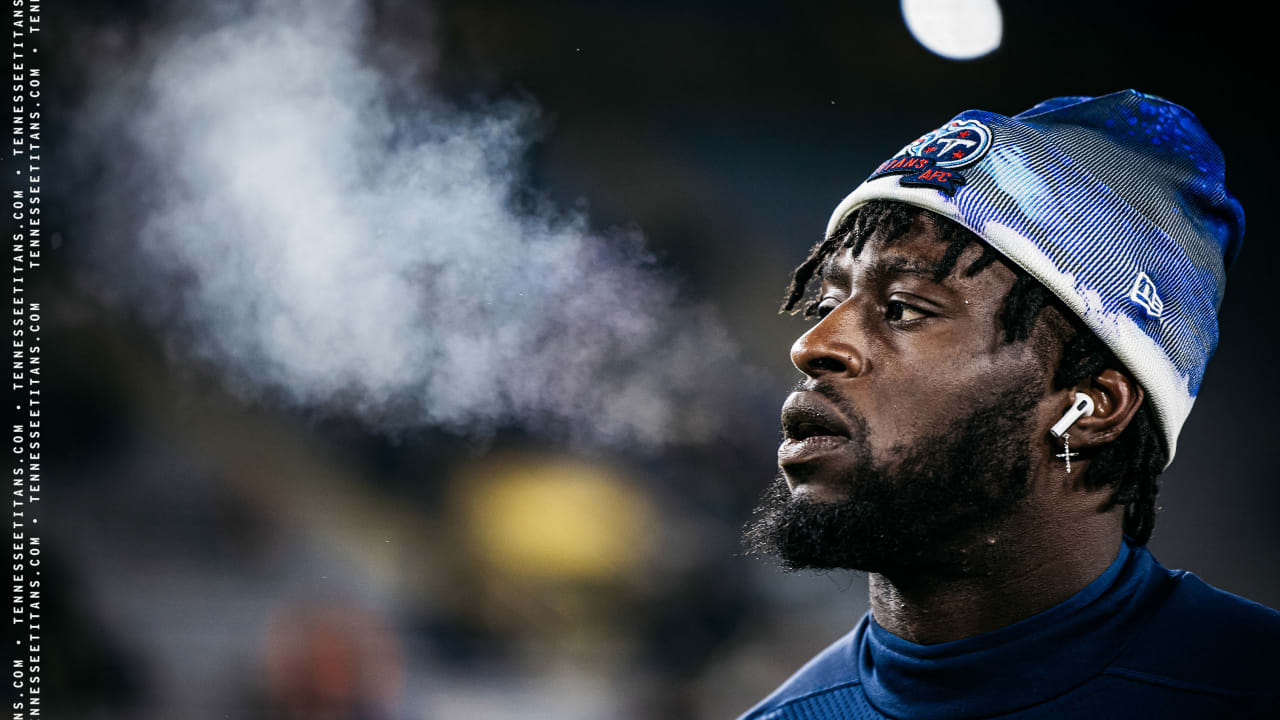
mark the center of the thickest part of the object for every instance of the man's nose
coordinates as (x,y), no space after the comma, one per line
(824,350)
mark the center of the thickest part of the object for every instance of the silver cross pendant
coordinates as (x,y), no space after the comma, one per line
(1066,451)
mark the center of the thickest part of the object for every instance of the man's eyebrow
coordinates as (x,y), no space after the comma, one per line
(833,272)
(886,267)
(880,269)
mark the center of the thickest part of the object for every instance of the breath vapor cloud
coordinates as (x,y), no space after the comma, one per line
(329,235)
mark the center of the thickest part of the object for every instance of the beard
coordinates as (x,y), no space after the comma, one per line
(912,516)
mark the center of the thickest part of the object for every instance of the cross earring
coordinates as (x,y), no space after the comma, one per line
(1066,453)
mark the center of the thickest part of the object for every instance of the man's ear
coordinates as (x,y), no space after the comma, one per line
(1116,399)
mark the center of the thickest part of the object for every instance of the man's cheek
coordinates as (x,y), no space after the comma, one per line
(924,405)
(935,384)
(904,425)
(970,378)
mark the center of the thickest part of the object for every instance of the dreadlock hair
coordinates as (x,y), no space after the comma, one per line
(1132,463)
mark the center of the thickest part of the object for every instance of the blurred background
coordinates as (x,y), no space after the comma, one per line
(234,532)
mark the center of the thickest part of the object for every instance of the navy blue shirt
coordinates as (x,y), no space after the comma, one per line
(1140,641)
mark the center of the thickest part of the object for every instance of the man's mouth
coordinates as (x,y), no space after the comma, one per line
(808,414)
(811,427)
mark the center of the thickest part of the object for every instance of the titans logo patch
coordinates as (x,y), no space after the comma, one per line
(934,159)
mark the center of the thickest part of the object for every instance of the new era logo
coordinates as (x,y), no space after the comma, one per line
(1144,293)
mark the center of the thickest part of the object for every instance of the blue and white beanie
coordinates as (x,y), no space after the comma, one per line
(1117,204)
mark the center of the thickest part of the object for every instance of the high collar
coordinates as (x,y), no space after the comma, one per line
(1015,666)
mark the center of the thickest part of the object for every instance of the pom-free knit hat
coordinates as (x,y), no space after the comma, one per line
(1117,204)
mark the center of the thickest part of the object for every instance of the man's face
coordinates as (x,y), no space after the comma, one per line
(916,426)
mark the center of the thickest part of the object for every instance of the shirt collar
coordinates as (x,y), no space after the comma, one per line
(1015,666)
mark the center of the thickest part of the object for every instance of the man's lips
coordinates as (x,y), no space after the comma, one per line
(797,452)
(811,427)
(807,414)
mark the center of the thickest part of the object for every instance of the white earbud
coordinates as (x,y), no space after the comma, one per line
(1081,406)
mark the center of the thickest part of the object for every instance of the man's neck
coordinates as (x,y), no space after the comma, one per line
(1013,577)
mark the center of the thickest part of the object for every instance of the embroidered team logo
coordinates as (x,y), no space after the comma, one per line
(1144,293)
(934,159)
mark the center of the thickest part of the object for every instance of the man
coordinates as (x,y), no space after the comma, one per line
(1014,316)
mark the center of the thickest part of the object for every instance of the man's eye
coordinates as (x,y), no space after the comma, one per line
(897,311)
(825,307)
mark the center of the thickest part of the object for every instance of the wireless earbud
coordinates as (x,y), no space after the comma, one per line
(1083,405)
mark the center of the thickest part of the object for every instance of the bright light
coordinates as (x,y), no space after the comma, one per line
(955,29)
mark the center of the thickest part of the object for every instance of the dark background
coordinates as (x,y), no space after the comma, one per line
(214,559)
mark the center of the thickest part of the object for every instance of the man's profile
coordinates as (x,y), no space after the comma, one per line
(980,284)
